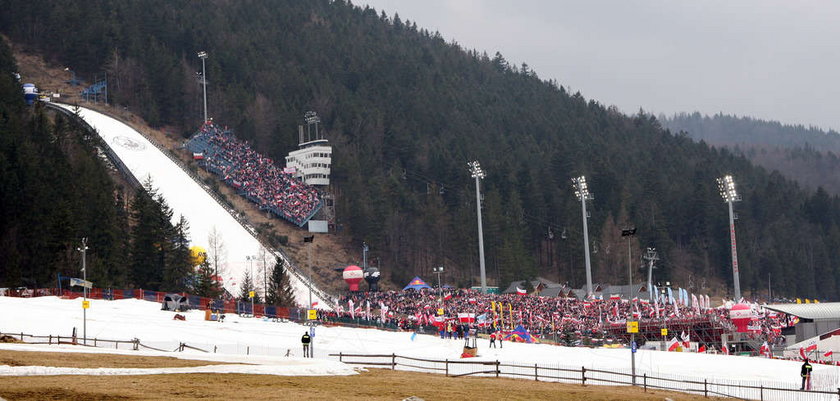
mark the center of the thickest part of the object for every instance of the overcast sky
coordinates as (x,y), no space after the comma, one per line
(770,59)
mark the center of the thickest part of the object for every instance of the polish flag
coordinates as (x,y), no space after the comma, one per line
(765,350)
(447,297)
(673,344)
(466,317)
(521,291)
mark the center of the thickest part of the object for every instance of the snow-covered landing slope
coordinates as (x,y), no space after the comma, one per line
(188,198)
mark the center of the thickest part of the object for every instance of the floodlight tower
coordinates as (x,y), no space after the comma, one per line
(727,191)
(583,194)
(477,173)
(203,56)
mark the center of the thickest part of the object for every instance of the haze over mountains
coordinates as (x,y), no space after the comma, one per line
(807,155)
(405,111)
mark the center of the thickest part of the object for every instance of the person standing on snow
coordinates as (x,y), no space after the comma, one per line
(305,340)
(806,375)
(493,340)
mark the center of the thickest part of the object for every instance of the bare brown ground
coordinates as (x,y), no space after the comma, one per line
(83,360)
(372,385)
(376,384)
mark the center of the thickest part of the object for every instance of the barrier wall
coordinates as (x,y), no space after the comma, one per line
(195,302)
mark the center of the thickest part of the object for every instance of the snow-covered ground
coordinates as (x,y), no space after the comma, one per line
(188,198)
(263,342)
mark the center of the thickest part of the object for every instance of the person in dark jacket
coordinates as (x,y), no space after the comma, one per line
(806,375)
(305,340)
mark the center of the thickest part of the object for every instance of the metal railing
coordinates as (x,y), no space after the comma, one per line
(583,375)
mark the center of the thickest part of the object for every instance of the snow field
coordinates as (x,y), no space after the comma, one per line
(263,342)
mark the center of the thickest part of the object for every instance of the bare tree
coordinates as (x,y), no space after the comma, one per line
(216,253)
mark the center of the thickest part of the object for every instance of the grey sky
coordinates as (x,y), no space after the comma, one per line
(770,59)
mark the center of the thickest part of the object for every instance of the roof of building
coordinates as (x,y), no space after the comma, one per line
(822,310)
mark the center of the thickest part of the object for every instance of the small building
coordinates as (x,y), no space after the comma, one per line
(814,319)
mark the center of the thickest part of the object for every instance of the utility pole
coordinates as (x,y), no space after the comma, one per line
(311,240)
(651,257)
(83,249)
(629,233)
(477,173)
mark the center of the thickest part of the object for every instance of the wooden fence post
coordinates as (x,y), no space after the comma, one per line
(94,341)
(705,388)
(536,374)
(583,375)
(644,381)
(498,368)
(339,357)
(50,339)
(761,392)
(393,361)
(446,364)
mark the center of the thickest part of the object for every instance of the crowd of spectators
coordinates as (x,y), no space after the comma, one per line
(253,175)
(549,316)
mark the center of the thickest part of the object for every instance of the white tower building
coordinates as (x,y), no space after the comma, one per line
(313,159)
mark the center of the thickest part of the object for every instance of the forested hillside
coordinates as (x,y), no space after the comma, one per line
(800,153)
(55,189)
(405,111)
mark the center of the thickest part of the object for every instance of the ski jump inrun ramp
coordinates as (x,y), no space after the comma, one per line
(193,200)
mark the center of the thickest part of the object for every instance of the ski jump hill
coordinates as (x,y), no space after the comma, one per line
(142,159)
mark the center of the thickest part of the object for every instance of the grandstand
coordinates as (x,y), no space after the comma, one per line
(252,175)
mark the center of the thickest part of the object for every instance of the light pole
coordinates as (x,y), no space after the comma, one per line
(583,195)
(203,56)
(83,249)
(651,257)
(438,270)
(727,191)
(365,250)
(311,240)
(477,173)
(629,233)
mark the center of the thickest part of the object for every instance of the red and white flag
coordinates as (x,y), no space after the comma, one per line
(447,297)
(828,353)
(466,317)
(521,291)
(673,344)
(686,340)
(765,350)
(702,348)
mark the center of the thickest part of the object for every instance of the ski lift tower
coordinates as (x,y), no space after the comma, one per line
(312,163)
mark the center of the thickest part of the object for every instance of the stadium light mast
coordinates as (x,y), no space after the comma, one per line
(727,191)
(477,173)
(583,195)
(203,56)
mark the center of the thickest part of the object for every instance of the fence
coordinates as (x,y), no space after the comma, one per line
(583,375)
(330,300)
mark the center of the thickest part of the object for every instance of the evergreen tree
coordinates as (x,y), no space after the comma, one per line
(204,284)
(280,290)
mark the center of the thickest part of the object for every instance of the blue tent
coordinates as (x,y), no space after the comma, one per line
(519,334)
(416,283)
